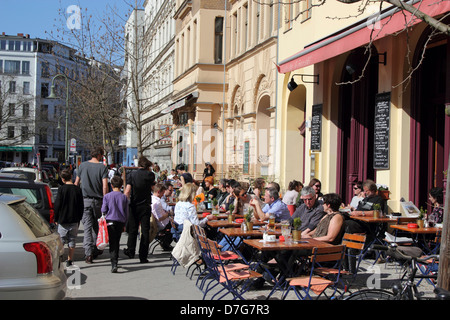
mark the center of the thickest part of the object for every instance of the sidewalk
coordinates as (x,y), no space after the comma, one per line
(155,281)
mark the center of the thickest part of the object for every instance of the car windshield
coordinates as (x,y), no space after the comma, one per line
(33,195)
(35,222)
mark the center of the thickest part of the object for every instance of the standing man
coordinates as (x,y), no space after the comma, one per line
(93,178)
(139,190)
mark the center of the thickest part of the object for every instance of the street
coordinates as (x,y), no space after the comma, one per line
(155,281)
(133,281)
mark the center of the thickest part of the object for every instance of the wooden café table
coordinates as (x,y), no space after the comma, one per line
(285,262)
(422,232)
(226,224)
(378,231)
(231,234)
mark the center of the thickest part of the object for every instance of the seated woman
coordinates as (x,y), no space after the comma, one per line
(185,210)
(358,193)
(258,188)
(436,197)
(209,190)
(331,227)
(290,197)
(222,192)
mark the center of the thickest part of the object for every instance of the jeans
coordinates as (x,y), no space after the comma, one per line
(92,212)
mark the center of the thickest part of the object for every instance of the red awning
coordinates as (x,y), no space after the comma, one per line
(359,35)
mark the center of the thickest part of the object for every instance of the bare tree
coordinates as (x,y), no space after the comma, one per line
(109,97)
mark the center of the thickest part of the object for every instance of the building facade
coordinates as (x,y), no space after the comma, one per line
(370,99)
(32,125)
(225,87)
(158,73)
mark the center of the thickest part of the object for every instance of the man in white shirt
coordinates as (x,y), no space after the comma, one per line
(162,216)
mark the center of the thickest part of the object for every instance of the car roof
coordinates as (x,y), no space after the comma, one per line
(9,169)
(20,181)
(12,176)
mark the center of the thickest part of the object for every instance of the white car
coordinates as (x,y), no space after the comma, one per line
(32,174)
(31,254)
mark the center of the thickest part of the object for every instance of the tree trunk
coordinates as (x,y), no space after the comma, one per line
(444,256)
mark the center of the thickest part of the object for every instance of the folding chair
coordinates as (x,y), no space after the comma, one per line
(432,265)
(354,243)
(315,283)
(235,278)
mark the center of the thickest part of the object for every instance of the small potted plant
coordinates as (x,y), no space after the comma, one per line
(248,219)
(215,209)
(420,218)
(230,213)
(296,232)
(376,210)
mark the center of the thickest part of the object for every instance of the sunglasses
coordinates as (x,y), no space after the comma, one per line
(356,188)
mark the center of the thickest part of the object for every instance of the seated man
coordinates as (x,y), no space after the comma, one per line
(273,206)
(310,211)
(365,208)
(162,216)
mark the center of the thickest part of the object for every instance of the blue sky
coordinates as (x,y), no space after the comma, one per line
(34,17)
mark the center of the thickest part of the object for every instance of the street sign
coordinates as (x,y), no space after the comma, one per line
(73,145)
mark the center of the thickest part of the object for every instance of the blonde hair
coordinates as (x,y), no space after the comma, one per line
(187,192)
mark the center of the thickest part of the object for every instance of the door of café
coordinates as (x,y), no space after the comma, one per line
(356,114)
(430,127)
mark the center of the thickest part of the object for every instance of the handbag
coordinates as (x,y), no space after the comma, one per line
(102,236)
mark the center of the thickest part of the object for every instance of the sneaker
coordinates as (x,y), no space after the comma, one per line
(68,263)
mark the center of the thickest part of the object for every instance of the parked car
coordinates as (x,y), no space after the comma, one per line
(38,194)
(31,254)
(33,174)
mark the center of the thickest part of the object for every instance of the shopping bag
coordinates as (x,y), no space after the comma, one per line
(102,237)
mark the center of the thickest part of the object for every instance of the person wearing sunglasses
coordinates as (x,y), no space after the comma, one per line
(358,195)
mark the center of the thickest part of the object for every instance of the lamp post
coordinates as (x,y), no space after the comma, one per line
(53,96)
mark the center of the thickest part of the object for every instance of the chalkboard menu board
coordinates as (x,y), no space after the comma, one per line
(316,127)
(381,131)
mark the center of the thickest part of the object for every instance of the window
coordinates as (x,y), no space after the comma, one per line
(43,135)
(26,67)
(12,109)
(25,110)
(1,66)
(10,132)
(12,87)
(25,133)
(45,69)
(44,90)
(44,112)
(26,87)
(2,44)
(218,41)
(12,67)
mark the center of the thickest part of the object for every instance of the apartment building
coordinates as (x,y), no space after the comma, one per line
(158,73)
(31,124)
(225,87)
